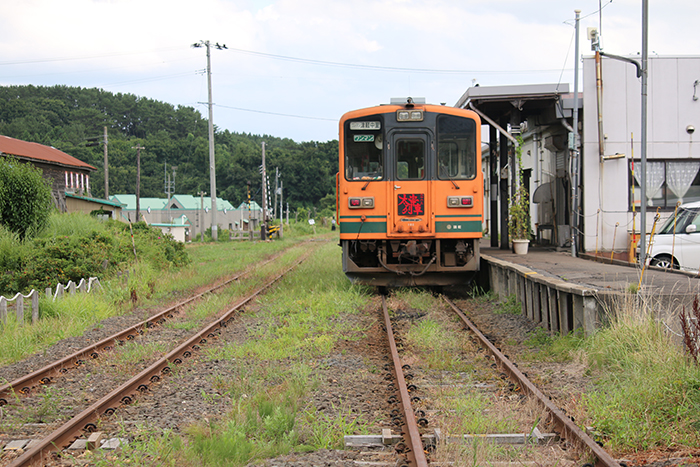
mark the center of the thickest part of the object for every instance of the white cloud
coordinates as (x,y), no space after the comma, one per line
(143,47)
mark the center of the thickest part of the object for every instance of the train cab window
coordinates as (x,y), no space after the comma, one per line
(456,147)
(410,159)
(363,153)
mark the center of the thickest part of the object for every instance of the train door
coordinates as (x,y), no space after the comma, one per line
(409,187)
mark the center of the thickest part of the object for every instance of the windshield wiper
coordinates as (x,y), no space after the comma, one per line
(445,174)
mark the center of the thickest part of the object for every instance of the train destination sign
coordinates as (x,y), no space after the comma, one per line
(365,125)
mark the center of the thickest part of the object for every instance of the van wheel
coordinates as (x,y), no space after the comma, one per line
(664,261)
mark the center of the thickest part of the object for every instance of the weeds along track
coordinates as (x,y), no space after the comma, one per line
(453,397)
(91,386)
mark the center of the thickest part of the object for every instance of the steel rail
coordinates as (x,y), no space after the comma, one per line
(569,429)
(416,453)
(43,375)
(124,394)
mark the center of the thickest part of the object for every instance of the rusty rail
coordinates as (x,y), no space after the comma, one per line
(568,429)
(26,383)
(124,394)
(416,454)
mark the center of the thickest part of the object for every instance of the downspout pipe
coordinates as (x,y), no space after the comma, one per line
(599,102)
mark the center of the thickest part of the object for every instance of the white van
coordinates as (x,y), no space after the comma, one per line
(676,244)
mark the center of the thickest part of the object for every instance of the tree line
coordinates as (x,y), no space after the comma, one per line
(65,117)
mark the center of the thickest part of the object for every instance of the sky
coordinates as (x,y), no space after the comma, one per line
(292,68)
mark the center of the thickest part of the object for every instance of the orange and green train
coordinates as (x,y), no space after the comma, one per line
(410,194)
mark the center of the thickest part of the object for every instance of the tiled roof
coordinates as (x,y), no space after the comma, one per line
(129,202)
(195,202)
(36,151)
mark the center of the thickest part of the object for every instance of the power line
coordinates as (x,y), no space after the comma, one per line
(86,57)
(278,114)
(382,68)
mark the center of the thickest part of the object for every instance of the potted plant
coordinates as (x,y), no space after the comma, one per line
(519,209)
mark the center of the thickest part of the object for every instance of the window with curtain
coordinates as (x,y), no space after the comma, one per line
(668,182)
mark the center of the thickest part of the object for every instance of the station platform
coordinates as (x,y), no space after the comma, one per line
(567,293)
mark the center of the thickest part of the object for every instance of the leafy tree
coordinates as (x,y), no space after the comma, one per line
(25,197)
(64,117)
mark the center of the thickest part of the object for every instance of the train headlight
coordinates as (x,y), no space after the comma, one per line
(409,116)
(460,201)
(361,203)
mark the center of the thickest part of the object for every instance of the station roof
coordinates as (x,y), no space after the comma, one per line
(38,152)
(498,101)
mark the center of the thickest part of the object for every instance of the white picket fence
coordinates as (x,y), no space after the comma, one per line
(84,286)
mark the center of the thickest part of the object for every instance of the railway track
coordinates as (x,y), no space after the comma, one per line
(566,429)
(422,442)
(81,426)
(413,431)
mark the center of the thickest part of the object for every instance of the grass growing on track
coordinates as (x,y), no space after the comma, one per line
(439,347)
(296,323)
(144,287)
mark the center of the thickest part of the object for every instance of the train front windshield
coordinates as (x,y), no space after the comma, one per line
(364,150)
(456,147)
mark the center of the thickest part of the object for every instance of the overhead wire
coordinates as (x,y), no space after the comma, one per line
(276,113)
(381,68)
(86,57)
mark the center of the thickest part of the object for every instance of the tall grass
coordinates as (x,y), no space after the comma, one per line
(647,389)
(68,317)
(60,225)
(648,395)
(140,285)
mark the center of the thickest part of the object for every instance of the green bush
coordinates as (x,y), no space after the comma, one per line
(25,198)
(79,247)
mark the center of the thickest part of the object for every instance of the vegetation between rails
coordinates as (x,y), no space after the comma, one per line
(269,379)
(644,397)
(78,246)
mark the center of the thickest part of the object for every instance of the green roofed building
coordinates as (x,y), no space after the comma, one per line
(194,211)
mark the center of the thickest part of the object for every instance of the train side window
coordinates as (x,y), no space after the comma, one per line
(410,159)
(363,156)
(456,147)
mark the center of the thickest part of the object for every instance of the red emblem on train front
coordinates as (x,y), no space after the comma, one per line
(411,205)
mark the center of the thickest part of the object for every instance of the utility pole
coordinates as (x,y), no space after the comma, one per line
(277,189)
(645,78)
(250,227)
(201,214)
(94,141)
(212,162)
(263,224)
(106,165)
(138,148)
